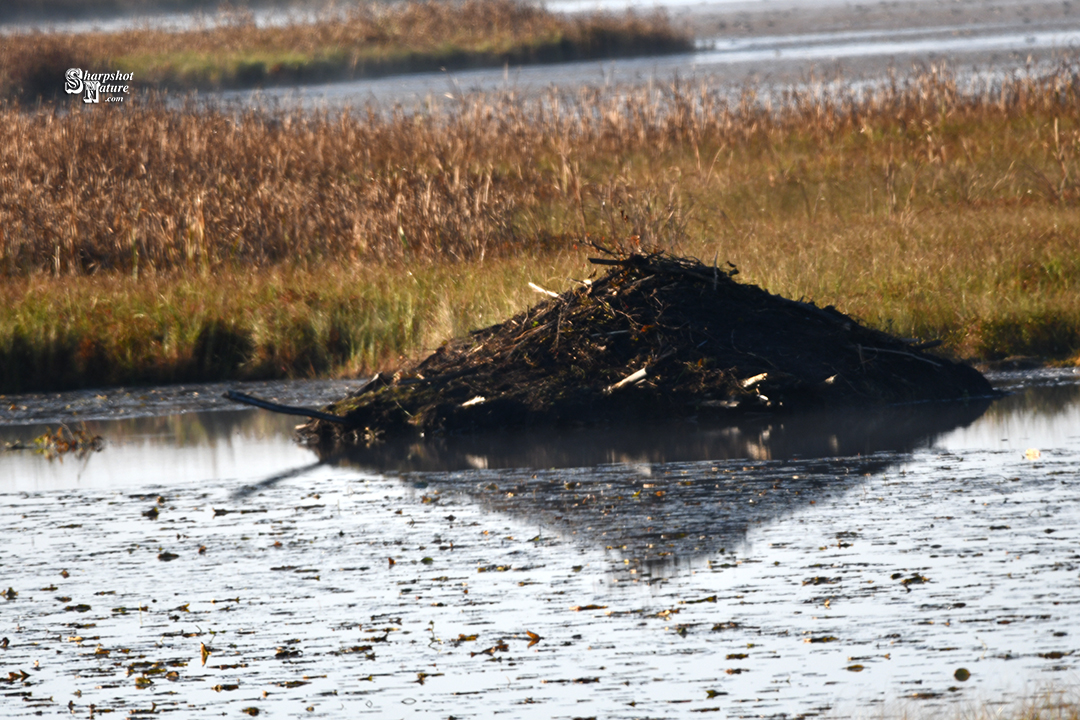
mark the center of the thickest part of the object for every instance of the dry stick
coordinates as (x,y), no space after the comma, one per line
(898,352)
(283,409)
(558,329)
(630,379)
(438,379)
(529,333)
(637,283)
(377,381)
(543,291)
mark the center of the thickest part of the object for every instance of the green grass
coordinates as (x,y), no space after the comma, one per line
(241,325)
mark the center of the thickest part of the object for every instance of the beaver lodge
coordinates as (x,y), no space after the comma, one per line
(655,338)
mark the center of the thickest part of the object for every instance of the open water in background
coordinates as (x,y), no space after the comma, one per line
(785,567)
(984,53)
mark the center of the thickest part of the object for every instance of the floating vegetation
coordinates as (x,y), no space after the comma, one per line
(54,444)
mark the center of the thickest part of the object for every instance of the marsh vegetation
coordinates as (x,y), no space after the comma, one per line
(155,243)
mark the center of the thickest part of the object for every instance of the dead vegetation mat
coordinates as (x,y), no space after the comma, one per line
(654,338)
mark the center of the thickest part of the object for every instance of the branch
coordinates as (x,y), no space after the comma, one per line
(283,409)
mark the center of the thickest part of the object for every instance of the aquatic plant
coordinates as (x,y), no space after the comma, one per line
(56,443)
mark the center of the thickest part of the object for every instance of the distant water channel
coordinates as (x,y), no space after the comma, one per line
(922,558)
(850,47)
(983,53)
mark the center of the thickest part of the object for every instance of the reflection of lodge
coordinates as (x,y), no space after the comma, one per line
(651,493)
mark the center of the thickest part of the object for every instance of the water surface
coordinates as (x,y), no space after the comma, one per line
(780,569)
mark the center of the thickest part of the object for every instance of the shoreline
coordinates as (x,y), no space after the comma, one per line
(748,19)
(702,19)
(921,180)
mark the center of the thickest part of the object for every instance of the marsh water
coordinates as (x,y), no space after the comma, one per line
(919,558)
(982,54)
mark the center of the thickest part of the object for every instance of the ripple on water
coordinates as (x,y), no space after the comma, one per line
(782,586)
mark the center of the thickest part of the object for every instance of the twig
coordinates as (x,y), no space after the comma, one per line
(630,379)
(898,352)
(543,291)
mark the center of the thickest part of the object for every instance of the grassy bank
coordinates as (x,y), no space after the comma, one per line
(145,244)
(276,322)
(363,40)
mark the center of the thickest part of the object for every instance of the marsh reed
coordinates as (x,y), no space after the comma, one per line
(922,206)
(148,188)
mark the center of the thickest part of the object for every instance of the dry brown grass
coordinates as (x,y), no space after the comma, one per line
(146,188)
(357,40)
(918,207)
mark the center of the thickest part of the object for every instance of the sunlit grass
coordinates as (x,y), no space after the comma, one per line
(276,322)
(138,240)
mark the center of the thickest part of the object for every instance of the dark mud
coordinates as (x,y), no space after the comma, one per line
(778,586)
(655,338)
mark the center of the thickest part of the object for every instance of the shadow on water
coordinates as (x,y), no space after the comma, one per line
(269,482)
(663,493)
